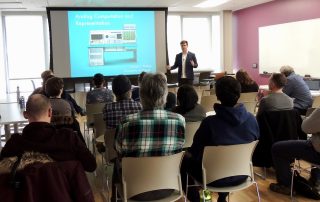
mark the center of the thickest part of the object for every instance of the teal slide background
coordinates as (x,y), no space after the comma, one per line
(115,63)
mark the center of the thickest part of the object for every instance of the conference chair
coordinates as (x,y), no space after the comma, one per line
(250,106)
(220,162)
(92,109)
(172,82)
(80,98)
(109,138)
(211,91)
(204,79)
(219,75)
(298,168)
(316,102)
(144,174)
(99,128)
(207,102)
(248,97)
(190,130)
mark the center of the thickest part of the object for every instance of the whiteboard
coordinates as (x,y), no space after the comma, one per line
(296,44)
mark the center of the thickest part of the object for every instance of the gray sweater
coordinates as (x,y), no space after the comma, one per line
(312,125)
(275,102)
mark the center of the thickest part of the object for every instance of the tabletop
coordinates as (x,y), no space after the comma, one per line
(11,113)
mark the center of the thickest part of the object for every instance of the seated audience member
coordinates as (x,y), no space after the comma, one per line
(41,90)
(276,100)
(171,101)
(135,91)
(187,104)
(247,84)
(153,126)
(44,76)
(124,105)
(298,89)
(99,94)
(54,89)
(40,136)
(284,153)
(61,109)
(231,125)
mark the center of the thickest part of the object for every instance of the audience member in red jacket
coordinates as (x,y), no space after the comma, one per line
(40,136)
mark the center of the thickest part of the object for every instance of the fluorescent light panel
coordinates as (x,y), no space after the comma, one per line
(211,3)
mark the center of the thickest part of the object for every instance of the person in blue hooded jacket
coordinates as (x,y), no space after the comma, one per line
(231,125)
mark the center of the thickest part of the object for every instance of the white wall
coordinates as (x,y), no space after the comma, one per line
(3,89)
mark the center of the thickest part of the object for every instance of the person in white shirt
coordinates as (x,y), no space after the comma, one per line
(185,62)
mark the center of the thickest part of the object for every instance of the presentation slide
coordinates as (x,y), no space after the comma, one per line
(112,42)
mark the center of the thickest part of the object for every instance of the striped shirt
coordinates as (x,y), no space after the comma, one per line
(150,133)
(115,111)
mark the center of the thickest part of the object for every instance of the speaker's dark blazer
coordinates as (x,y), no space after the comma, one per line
(189,67)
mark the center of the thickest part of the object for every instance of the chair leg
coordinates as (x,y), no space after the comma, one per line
(203,195)
(263,175)
(292,177)
(257,189)
(187,181)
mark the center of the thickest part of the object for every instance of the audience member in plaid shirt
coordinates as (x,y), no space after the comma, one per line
(115,111)
(150,132)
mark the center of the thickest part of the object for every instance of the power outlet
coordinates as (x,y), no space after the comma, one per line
(254,65)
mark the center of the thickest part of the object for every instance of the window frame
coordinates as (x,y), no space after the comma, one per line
(46,45)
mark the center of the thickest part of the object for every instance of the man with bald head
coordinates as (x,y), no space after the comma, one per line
(40,136)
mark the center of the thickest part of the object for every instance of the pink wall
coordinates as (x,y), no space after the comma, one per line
(246,23)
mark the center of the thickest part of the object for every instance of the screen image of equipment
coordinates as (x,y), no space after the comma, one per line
(86,41)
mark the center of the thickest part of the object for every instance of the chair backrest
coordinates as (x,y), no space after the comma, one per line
(219,75)
(208,101)
(248,97)
(316,102)
(225,161)
(250,106)
(109,142)
(142,174)
(93,109)
(204,75)
(80,98)
(99,124)
(309,111)
(190,130)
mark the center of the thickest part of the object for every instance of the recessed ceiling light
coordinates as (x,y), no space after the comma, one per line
(211,3)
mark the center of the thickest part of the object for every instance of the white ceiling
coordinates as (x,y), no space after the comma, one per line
(173,5)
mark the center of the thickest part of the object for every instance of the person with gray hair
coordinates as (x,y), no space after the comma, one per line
(153,126)
(298,89)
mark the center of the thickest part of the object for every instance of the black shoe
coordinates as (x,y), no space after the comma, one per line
(282,189)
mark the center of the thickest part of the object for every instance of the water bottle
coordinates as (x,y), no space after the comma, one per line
(22,103)
(207,195)
(18,94)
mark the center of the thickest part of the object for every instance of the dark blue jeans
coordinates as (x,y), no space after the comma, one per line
(284,153)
